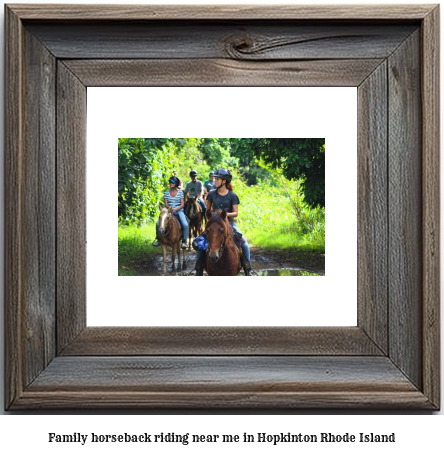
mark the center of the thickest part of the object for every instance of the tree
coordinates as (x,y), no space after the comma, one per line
(145,164)
(217,153)
(298,158)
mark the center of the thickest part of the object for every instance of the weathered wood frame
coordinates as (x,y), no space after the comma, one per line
(390,360)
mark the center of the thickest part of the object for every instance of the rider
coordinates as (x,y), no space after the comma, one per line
(194,189)
(223,197)
(174,198)
(209,185)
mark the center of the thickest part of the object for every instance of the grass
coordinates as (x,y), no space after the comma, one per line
(274,216)
(134,245)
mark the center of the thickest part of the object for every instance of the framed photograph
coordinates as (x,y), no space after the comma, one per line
(284,236)
(389,359)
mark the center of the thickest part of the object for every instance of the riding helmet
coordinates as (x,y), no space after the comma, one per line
(223,174)
(174,180)
(193,173)
(211,174)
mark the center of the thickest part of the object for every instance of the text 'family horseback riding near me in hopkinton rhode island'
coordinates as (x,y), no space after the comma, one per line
(189,438)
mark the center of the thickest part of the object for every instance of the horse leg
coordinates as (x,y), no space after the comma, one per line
(164,250)
(190,231)
(173,256)
(179,268)
(184,264)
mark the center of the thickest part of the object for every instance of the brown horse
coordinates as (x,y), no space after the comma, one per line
(196,217)
(170,234)
(222,258)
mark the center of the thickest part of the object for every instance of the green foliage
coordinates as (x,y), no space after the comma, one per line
(145,164)
(217,153)
(191,158)
(276,216)
(302,158)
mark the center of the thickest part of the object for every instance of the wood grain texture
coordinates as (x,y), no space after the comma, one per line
(373,207)
(220,12)
(13,207)
(405,209)
(71,206)
(234,40)
(233,382)
(196,72)
(430,94)
(203,373)
(127,341)
(38,223)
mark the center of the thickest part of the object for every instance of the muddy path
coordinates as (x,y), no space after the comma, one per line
(261,260)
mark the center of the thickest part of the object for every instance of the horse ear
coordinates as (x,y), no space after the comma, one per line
(170,209)
(209,214)
(160,207)
(223,214)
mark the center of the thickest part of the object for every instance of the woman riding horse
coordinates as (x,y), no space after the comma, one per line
(174,198)
(221,198)
(222,257)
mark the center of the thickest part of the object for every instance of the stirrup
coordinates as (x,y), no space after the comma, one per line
(184,245)
(156,243)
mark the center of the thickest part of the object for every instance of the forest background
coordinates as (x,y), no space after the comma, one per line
(280,184)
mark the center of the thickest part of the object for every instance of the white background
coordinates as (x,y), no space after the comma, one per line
(416,433)
(249,112)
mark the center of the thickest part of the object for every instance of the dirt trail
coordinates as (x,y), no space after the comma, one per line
(260,259)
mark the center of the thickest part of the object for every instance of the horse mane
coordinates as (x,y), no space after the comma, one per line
(228,230)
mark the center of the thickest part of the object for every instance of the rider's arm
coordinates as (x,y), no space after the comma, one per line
(234,213)
(166,203)
(209,203)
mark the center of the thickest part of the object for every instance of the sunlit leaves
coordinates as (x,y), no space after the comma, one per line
(145,164)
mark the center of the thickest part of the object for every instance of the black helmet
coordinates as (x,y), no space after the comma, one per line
(174,180)
(211,174)
(223,174)
(193,173)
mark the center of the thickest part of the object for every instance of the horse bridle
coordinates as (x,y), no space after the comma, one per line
(222,246)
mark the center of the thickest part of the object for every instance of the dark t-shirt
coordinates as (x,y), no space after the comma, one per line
(210,185)
(219,202)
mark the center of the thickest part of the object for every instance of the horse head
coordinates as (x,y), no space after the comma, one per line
(218,234)
(164,218)
(193,207)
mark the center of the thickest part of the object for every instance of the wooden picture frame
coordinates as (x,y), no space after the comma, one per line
(389,360)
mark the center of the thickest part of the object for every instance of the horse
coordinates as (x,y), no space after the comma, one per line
(195,217)
(170,234)
(222,257)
